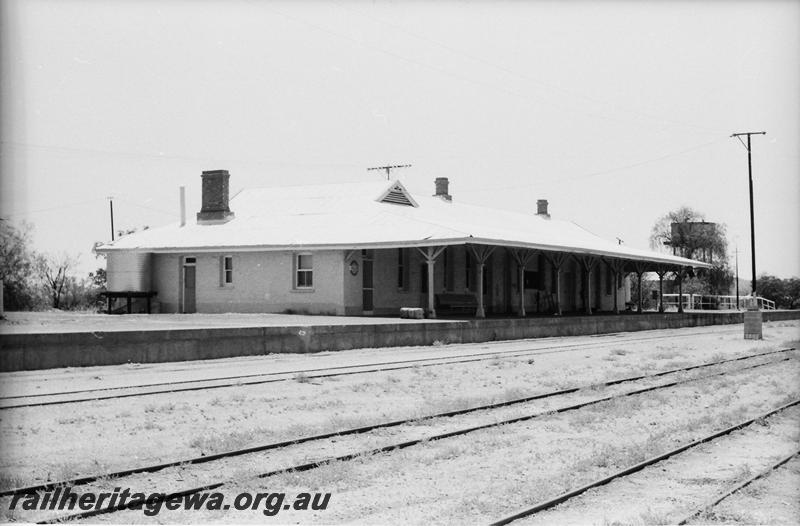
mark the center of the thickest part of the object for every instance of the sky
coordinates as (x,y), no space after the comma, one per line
(615,112)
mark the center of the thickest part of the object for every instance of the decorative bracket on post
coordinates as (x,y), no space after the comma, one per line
(429,255)
(679,276)
(557,260)
(522,256)
(617,267)
(640,268)
(587,263)
(661,270)
(482,253)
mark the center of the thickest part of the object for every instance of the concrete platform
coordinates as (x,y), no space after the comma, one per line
(31,341)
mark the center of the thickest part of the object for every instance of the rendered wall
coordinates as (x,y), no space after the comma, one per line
(262,282)
(166,281)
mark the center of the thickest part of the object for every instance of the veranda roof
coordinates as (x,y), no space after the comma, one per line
(367,215)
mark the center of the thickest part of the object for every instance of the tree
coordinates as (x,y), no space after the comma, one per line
(686,233)
(784,292)
(54,272)
(17,264)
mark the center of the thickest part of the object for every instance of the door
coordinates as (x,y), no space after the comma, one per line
(367,289)
(189,281)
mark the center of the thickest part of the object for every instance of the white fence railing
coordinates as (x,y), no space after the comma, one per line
(714,302)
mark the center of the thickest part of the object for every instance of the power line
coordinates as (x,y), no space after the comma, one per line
(513,93)
(521,75)
(52,208)
(161,156)
(594,174)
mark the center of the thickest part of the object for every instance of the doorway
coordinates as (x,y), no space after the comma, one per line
(189,285)
(367,286)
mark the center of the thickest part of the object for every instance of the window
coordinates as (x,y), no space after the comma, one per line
(423,277)
(226,270)
(304,265)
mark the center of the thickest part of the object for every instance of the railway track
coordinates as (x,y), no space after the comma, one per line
(564,497)
(396,446)
(106,393)
(711,503)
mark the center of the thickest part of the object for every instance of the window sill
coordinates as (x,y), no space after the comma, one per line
(303,290)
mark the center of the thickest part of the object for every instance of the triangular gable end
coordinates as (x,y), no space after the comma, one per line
(397,194)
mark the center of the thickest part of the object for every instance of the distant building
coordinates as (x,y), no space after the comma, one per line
(694,239)
(370,249)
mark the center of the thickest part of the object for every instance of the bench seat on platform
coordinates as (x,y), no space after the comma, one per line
(452,302)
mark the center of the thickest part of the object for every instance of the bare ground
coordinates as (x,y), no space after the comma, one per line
(59,442)
(453,481)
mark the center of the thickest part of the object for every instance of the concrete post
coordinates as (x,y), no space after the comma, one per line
(680,291)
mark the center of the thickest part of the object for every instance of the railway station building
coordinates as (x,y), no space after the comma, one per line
(371,249)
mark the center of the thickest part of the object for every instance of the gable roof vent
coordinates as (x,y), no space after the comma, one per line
(398,195)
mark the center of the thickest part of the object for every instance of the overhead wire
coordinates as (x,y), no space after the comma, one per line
(446,72)
(600,172)
(161,156)
(510,71)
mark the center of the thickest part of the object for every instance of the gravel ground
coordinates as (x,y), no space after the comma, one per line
(59,442)
(771,500)
(487,474)
(93,437)
(666,492)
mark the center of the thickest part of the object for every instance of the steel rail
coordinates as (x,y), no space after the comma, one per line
(446,361)
(365,429)
(397,446)
(733,489)
(560,499)
(489,356)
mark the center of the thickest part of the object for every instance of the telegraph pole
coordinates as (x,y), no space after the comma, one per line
(389,168)
(111,209)
(737,276)
(752,220)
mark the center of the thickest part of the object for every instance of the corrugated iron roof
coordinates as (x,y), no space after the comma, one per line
(358,215)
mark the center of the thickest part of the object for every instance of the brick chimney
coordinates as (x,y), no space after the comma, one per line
(442,188)
(215,198)
(541,208)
